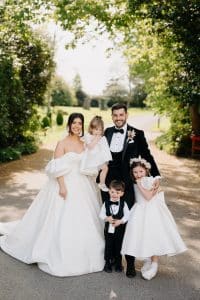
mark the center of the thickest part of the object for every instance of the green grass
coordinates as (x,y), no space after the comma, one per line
(57,132)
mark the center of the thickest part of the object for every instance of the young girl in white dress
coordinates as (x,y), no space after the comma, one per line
(97,153)
(151,230)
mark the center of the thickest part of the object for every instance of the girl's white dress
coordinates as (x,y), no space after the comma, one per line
(94,158)
(64,237)
(151,229)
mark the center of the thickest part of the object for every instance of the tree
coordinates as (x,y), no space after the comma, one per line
(82,98)
(175,25)
(115,92)
(61,93)
(26,65)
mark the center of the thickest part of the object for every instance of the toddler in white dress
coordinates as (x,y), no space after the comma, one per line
(151,230)
(97,153)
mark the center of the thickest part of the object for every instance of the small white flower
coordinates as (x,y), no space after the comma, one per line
(131,135)
(113,295)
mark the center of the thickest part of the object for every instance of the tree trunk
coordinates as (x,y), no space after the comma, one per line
(86,103)
(195,116)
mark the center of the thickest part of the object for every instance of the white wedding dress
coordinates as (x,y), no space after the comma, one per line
(64,237)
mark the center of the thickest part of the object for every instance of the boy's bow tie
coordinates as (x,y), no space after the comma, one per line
(120,130)
(114,203)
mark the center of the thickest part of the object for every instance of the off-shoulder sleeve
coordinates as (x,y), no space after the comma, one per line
(59,166)
(105,150)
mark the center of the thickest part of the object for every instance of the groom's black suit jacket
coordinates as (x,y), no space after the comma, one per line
(119,168)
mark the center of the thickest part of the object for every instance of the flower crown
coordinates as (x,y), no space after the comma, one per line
(142,161)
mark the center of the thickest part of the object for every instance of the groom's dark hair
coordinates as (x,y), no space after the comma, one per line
(117,185)
(117,106)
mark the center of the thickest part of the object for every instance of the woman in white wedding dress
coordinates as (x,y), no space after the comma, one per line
(61,230)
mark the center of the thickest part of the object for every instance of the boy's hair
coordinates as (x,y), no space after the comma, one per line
(117,185)
(117,106)
(96,122)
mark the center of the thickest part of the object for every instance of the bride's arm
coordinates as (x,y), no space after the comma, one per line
(59,151)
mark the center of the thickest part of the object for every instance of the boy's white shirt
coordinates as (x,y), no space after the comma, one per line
(115,209)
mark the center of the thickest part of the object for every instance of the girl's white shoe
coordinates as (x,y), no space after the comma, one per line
(146,266)
(151,272)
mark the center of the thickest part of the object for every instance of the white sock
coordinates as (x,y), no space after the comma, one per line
(146,265)
(150,273)
(154,265)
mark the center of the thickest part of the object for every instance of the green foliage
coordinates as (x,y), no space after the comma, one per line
(14,153)
(61,94)
(59,119)
(26,65)
(115,92)
(45,122)
(162,46)
(177,140)
(9,154)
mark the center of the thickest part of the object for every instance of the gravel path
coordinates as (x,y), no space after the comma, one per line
(178,277)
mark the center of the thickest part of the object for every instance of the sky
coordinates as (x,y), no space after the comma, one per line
(90,61)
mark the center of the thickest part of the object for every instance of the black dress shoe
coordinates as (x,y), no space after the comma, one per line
(131,273)
(118,268)
(107,268)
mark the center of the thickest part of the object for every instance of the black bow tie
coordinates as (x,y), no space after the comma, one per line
(120,130)
(114,203)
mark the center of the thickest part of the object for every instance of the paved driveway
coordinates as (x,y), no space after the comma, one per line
(178,277)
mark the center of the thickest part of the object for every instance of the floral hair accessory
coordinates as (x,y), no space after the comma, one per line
(131,134)
(142,161)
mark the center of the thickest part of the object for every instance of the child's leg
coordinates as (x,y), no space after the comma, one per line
(118,238)
(108,252)
(155,258)
(103,173)
(102,178)
(152,271)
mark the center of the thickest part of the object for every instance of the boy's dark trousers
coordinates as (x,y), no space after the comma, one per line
(113,244)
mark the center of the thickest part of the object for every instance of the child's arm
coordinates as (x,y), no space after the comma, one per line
(147,194)
(103,216)
(125,217)
(93,143)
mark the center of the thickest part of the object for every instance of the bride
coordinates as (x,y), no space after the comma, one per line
(61,230)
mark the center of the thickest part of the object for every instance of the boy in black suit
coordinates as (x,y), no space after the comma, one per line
(115,213)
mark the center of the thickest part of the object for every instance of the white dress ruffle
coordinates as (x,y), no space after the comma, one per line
(94,158)
(151,229)
(64,237)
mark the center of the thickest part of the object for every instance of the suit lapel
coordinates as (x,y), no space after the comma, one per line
(126,141)
(110,134)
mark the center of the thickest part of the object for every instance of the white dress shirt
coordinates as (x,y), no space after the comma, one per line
(115,209)
(117,141)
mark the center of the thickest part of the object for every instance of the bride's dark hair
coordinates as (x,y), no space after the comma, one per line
(71,118)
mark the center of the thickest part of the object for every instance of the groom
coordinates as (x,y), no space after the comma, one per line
(126,142)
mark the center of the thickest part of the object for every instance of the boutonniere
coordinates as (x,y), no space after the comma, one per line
(131,135)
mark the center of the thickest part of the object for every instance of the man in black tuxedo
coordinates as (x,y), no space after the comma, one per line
(126,142)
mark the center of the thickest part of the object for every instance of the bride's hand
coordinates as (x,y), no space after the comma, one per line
(63,192)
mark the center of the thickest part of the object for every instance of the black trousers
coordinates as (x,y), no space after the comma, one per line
(113,244)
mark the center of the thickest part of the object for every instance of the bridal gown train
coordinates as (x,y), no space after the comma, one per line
(64,237)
